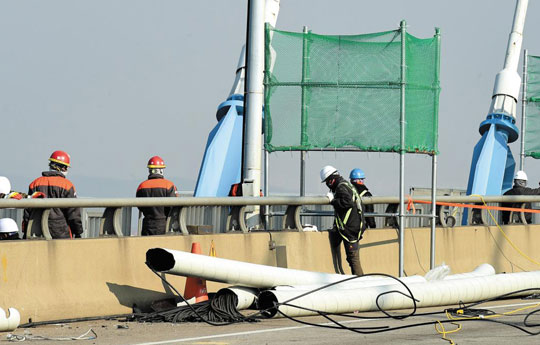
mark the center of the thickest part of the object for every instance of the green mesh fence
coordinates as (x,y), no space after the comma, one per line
(344,92)
(532,109)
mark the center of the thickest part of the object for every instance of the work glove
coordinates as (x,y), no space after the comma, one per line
(330,196)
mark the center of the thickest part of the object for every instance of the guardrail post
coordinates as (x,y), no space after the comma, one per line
(522,214)
(237,218)
(478,216)
(38,224)
(176,222)
(291,219)
(111,222)
(447,219)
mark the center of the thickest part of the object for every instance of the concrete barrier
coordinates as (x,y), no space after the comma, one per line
(49,280)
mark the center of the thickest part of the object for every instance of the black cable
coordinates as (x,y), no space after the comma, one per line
(467,310)
(355,277)
(373,330)
(501,296)
(79,319)
(195,312)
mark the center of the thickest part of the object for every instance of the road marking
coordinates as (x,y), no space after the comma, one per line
(243,333)
(512,305)
(224,335)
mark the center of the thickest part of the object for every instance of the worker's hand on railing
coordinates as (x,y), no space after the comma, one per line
(14,195)
(330,196)
(37,195)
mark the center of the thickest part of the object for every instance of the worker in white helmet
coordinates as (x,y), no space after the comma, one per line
(8,229)
(519,188)
(348,218)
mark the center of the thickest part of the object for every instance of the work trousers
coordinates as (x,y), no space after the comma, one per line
(351,250)
(152,226)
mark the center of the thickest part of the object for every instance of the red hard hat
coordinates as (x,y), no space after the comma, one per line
(60,157)
(156,162)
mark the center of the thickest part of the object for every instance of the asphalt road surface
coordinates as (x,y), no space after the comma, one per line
(488,329)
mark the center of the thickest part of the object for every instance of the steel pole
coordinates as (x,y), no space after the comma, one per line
(434,159)
(254,95)
(523,109)
(303,111)
(254,106)
(433,210)
(402,150)
(266,193)
(302,173)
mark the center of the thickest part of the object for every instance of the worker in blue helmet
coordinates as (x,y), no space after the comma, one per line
(357,177)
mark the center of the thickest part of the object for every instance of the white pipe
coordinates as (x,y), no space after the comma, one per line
(357,283)
(507,81)
(480,271)
(238,85)
(429,294)
(271,12)
(515,39)
(233,272)
(9,323)
(246,296)
(261,276)
(362,282)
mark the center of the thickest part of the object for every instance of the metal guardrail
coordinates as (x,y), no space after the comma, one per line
(240,206)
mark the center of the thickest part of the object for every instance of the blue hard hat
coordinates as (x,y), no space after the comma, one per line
(357,174)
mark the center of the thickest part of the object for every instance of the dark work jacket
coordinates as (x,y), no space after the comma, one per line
(342,202)
(361,188)
(518,190)
(155,217)
(11,237)
(55,185)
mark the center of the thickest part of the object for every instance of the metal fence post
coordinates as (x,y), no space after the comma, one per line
(402,124)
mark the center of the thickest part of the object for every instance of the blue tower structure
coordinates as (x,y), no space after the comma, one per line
(492,167)
(222,161)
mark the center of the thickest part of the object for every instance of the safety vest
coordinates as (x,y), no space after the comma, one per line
(357,199)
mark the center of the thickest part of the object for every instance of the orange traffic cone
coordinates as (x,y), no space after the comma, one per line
(195,286)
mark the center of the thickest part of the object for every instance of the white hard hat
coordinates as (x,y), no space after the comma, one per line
(520,175)
(327,171)
(8,225)
(5,185)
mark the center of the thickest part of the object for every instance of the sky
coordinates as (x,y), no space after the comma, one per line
(116,82)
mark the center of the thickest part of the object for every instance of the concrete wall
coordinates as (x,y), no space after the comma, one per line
(47,280)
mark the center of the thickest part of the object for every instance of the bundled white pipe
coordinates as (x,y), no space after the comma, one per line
(246,296)
(480,271)
(358,283)
(9,323)
(233,272)
(435,293)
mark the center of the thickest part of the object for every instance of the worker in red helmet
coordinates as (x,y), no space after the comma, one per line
(156,186)
(63,222)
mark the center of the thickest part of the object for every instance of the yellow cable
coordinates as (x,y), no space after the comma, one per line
(450,317)
(505,236)
(444,332)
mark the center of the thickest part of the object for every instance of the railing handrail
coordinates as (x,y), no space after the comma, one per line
(241,201)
